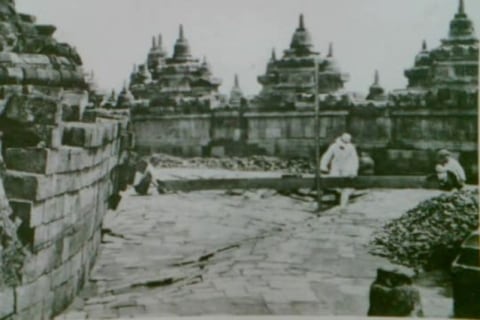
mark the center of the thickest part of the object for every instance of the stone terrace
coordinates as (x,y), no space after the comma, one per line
(242,253)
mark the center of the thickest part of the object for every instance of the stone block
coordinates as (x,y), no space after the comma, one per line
(39,263)
(26,109)
(7,302)
(77,159)
(19,185)
(59,276)
(56,229)
(70,113)
(70,203)
(41,235)
(56,137)
(28,211)
(90,115)
(33,312)
(34,160)
(87,134)
(47,308)
(66,248)
(54,208)
(62,297)
(75,243)
(30,294)
(76,136)
(30,273)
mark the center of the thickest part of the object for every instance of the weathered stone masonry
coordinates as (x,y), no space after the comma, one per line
(61,195)
(62,159)
(401,140)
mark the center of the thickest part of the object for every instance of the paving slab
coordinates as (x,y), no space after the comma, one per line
(211,253)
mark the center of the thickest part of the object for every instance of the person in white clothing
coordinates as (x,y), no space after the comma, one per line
(450,173)
(341,160)
(143,178)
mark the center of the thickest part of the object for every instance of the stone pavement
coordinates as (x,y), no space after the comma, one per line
(242,253)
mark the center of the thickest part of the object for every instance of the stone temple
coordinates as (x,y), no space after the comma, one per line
(289,82)
(450,71)
(180,83)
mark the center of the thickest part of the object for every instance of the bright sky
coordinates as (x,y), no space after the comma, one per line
(237,36)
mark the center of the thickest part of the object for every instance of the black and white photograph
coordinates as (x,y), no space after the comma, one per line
(201,158)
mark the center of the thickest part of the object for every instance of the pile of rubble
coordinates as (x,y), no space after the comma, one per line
(252,163)
(429,235)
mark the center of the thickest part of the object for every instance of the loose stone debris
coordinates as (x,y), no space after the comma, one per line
(429,236)
(253,163)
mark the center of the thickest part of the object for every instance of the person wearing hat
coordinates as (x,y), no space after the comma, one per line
(450,173)
(341,160)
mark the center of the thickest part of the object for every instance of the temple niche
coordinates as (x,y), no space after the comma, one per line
(446,76)
(289,82)
(177,84)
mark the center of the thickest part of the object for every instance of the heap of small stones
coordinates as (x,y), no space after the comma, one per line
(252,163)
(429,236)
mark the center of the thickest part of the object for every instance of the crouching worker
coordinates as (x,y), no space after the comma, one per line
(341,160)
(143,178)
(450,173)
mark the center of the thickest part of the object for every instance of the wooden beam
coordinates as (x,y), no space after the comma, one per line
(291,183)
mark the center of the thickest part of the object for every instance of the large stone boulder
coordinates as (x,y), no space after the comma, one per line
(392,294)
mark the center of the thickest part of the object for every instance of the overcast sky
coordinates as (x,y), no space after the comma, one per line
(237,36)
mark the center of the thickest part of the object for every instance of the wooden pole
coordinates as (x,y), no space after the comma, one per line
(317,138)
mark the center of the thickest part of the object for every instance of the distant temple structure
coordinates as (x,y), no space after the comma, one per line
(376,91)
(289,82)
(181,83)
(236,95)
(444,77)
(448,74)
(125,99)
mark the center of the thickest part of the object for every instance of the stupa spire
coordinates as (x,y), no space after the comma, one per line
(154,43)
(160,41)
(330,50)
(181,49)
(205,63)
(274,55)
(424,45)
(461,7)
(376,78)
(301,24)
(180,33)
(236,83)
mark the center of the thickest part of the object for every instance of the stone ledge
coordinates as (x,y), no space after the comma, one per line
(31,186)
(88,135)
(60,160)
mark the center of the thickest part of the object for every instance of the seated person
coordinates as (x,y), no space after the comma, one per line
(450,173)
(143,178)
